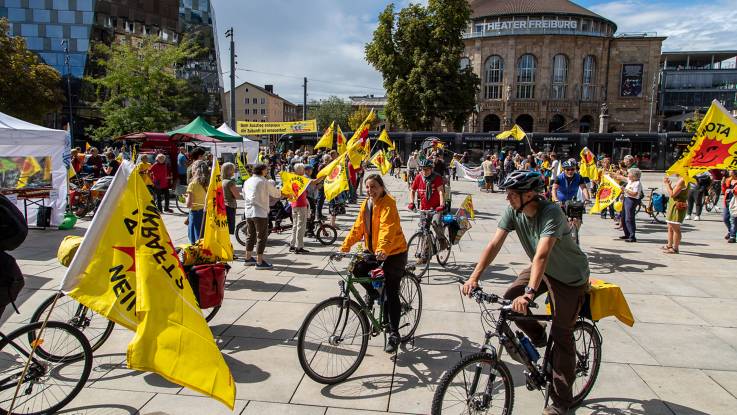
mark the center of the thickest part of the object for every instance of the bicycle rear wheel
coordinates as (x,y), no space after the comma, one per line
(419,250)
(333,340)
(241,232)
(53,379)
(443,254)
(209,313)
(588,359)
(326,234)
(574,232)
(95,327)
(181,204)
(410,298)
(477,384)
(658,217)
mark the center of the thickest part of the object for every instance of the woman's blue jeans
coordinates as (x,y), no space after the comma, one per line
(729,221)
(194,226)
(630,204)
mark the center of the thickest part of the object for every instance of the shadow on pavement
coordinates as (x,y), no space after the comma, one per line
(106,408)
(41,245)
(610,261)
(601,406)
(260,286)
(369,386)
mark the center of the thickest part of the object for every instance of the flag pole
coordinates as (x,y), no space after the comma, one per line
(528,141)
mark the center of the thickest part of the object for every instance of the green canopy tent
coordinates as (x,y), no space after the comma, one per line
(200,130)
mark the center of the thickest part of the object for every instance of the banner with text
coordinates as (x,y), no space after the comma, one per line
(260,128)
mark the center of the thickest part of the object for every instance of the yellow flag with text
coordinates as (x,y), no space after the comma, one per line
(29,169)
(516,132)
(336,179)
(360,148)
(587,167)
(379,160)
(341,143)
(607,193)
(713,146)
(326,141)
(468,206)
(216,238)
(384,137)
(127,270)
(293,185)
(242,171)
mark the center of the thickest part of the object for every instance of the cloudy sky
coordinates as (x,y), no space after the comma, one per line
(280,41)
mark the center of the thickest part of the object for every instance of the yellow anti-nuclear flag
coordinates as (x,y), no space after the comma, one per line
(242,171)
(384,137)
(216,238)
(326,141)
(71,172)
(341,141)
(379,160)
(336,179)
(516,132)
(468,206)
(360,149)
(126,269)
(29,169)
(293,185)
(587,166)
(714,146)
(607,193)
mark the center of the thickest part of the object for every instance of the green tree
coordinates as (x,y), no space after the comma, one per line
(418,52)
(357,117)
(329,110)
(692,124)
(139,90)
(29,89)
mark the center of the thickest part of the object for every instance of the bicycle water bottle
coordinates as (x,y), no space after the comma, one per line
(531,351)
(377,281)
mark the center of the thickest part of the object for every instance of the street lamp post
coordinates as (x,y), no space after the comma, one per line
(67,63)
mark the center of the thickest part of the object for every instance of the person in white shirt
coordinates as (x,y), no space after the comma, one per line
(412,167)
(256,191)
(632,194)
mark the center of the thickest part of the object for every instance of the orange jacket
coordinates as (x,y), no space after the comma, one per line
(386,229)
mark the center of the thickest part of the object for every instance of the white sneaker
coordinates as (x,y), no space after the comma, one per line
(697,218)
(688,217)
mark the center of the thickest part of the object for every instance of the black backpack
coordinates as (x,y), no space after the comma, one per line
(11,281)
(13,226)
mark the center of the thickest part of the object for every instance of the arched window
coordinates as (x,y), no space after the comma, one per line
(556,123)
(584,126)
(588,92)
(526,122)
(493,76)
(526,77)
(491,123)
(560,77)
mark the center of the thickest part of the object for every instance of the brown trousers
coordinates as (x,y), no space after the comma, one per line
(566,303)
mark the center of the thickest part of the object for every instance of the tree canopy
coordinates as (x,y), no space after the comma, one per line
(329,110)
(692,124)
(138,89)
(358,116)
(418,52)
(29,89)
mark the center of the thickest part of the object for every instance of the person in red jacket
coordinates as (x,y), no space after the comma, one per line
(428,186)
(161,177)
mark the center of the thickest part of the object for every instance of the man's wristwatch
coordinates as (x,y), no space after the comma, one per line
(530,290)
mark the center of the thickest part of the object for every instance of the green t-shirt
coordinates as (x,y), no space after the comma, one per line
(567,263)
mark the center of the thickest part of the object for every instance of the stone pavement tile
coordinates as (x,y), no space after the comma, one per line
(250,287)
(661,309)
(658,284)
(48,280)
(163,404)
(620,347)
(343,411)
(368,388)
(441,297)
(307,290)
(684,346)
(687,391)
(266,408)
(727,334)
(416,374)
(445,330)
(270,320)
(93,401)
(717,287)
(727,380)
(230,311)
(618,389)
(27,302)
(716,311)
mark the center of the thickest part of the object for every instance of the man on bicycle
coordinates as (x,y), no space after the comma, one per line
(567,184)
(558,266)
(428,185)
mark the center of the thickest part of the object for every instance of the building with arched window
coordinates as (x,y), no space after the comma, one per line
(551,65)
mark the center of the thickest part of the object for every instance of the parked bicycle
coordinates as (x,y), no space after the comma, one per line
(325,233)
(654,205)
(424,244)
(334,336)
(481,382)
(574,211)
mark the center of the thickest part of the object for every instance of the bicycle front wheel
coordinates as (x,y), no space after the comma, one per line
(419,250)
(410,299)
(53,378)
(333,340)
(443,254)
(241,232)
(478,384)
(574,232)
(95,327)
(588,359)
(326,234)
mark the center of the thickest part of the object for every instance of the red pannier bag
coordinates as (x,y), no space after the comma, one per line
(208,283)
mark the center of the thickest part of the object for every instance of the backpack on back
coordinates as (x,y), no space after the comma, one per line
(13,226)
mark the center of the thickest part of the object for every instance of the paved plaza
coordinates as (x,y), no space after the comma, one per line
(679,358)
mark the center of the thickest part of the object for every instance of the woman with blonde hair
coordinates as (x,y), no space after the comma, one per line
(195,198)
(675,213)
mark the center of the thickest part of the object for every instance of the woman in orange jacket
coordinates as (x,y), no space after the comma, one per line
(378,225)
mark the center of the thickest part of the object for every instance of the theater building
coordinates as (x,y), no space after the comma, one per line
(552,66)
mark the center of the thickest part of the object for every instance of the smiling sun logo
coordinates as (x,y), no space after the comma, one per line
(711,153)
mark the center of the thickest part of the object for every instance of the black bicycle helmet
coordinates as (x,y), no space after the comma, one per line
(426,163)
(569,164)
(524,181)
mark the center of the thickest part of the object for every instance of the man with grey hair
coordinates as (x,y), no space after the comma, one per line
(632,192)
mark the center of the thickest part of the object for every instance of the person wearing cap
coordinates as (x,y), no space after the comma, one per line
(557,265)
(428,186)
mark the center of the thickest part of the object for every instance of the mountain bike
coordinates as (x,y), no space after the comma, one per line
(425,243)
(481,382)
(712,196)
(646,204)
(58,369)
(574,211)
(334,336)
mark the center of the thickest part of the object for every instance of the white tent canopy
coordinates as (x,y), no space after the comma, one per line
(250,147)
(19,138)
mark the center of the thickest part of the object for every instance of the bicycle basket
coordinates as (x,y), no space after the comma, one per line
(575,210)
(361,267)
(660,201)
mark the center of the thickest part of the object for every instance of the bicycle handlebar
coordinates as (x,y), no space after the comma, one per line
(479,295)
